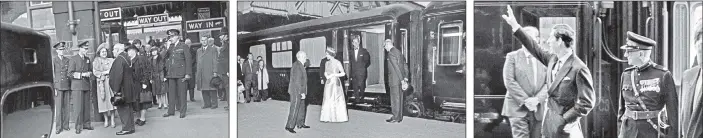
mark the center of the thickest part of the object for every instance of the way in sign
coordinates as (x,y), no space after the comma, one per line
(204,25)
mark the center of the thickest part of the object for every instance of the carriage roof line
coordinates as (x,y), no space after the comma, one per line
(20,30)
(374,16)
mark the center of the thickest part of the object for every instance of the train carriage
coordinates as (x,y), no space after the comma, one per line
(402,23)
(600,28)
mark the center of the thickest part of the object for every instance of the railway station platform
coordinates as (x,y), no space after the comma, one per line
(267,119)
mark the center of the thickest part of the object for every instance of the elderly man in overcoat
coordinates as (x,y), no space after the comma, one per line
(298,90)
(122,83)
(206,70)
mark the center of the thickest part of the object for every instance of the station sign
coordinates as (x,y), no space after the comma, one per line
(110,14)
(159,18)
(205,24)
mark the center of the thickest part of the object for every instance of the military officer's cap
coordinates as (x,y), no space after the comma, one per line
(83,45)
(173,32)
(60,45)
(635,41)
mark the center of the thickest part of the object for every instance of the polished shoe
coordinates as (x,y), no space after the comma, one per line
(183,115)
(389,120)
(58,131)
(205,107)
(167,115)
(124,132)
(138,122)
(88,127)
(142,123)
(214,107)
(78,131)
(303,126)
(290,130)
(192,100)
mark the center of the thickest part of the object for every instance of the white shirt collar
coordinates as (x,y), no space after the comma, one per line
(566,56)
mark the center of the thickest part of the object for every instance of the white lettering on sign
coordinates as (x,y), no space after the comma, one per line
(153,19)
(205,24)
(110,14)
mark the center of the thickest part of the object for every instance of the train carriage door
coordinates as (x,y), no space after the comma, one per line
(446,56)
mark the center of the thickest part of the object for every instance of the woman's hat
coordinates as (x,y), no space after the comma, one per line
(131,47)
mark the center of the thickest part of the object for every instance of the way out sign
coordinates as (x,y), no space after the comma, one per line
(205,24)
(110,14)
(153,19)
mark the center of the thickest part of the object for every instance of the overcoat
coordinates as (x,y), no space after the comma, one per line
(122,80)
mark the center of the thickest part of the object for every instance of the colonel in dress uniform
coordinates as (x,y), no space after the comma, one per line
(80,70)
(647,90)
(178,71)
(62,84)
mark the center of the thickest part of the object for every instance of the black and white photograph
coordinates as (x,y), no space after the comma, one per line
(593,69)
(351,69)
(103,69)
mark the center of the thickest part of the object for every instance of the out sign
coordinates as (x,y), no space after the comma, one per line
(110,14)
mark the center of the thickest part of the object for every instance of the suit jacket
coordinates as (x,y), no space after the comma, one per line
(359,63)
(298,80)
(519,77)
(178,61)
(397,70)
(692,113)
(62,80)
(206,67)
(77,64)
(570,92)
(322,68)
(249,70)
(122,78)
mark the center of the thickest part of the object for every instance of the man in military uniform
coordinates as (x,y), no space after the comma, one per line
(178,71)
(62,84)
(79,70)
(647,89)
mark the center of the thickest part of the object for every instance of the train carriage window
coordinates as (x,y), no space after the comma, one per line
(450,43)
(258,50)
(281,55)
(29,55)
(315,49)
(404,43)
(42,18)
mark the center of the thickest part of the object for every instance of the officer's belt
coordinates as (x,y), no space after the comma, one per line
(639,115)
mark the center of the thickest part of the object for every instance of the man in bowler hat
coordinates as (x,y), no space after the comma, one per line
(80,70)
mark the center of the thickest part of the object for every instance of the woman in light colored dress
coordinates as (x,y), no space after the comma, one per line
(101,70)
(334,107)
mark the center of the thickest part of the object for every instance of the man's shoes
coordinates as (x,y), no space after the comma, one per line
(58,131)
(192,100)
(290,130)
(88,127)
(389,120)
(214,107)
(124,132)
(78,131)
(392,121)
(167,115)
(303,126)
(205,107)
(140,122)
(183,115)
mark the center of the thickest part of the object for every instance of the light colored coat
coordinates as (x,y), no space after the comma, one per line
(262,78)
(206,67)
(691,113)
(522,81)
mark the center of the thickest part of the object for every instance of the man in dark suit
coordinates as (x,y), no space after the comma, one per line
(569,80)
(298,90)
(360,61)
(178,72)
(249,70)
(80,70)
(62,84)
(122,83)
(397,74)
(524,78)
(692,93)
(647,88)
(322,69)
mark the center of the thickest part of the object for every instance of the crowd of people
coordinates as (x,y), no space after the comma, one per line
(138,77)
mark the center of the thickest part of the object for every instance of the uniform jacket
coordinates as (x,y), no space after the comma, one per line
(206,67)
(519,77)
(298,80)
(178,61)
(122,80)
(397,70)
(360,62)
(62,80)
(657,90)
(692,113)
(78,64)
(570,92)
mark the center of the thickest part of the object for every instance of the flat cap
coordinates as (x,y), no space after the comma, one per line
(60,45)
(636,41)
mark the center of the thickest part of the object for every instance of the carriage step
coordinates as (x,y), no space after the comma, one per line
(365,98)
(361,104)
(453,106)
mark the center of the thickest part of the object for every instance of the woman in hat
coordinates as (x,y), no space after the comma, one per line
(158,87)
(142,75)
(101,70)
(334,107)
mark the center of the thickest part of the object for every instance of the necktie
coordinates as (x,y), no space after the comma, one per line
(556,70)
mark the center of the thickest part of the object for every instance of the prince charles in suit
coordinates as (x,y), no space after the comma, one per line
(570,89)
(524,78)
